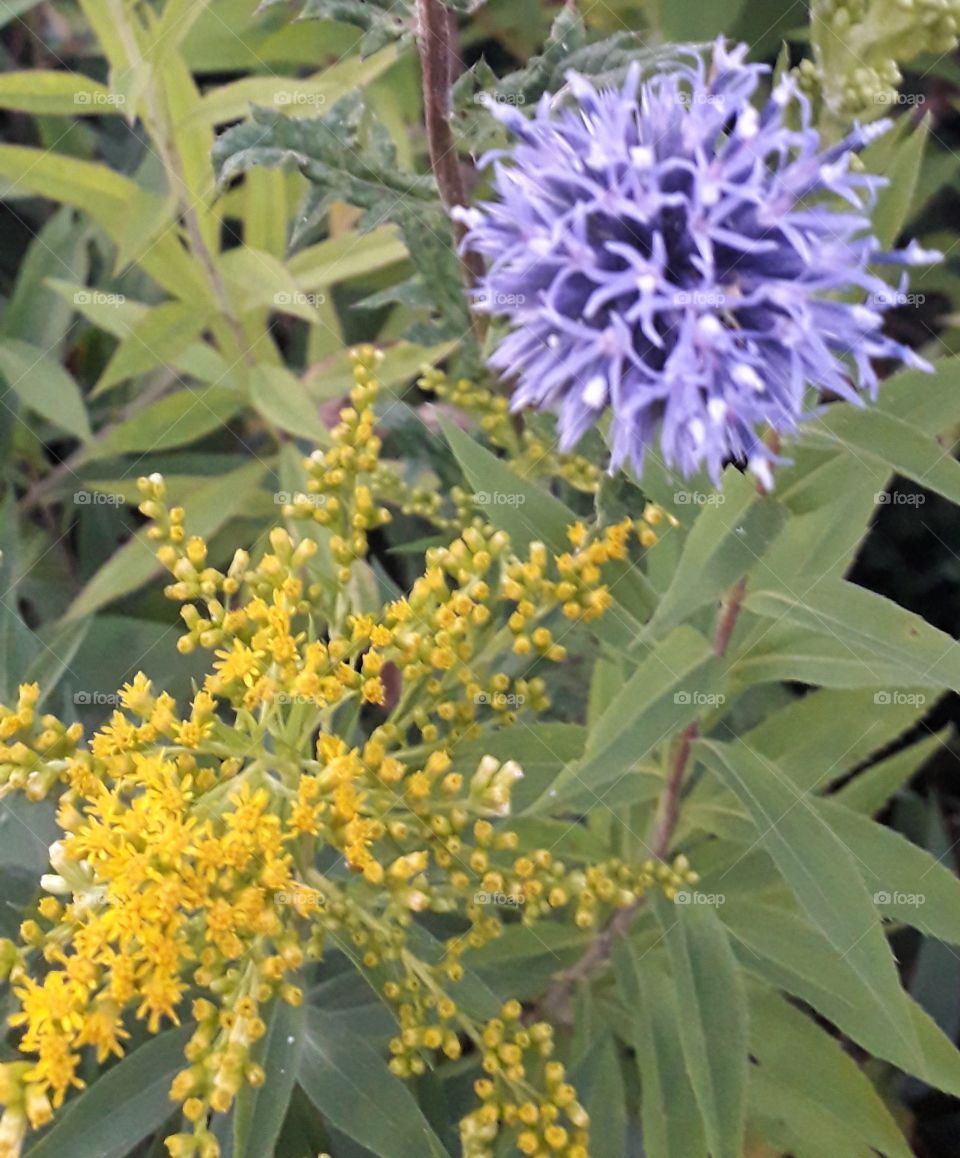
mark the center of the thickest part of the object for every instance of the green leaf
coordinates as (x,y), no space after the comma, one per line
(685,20)
(380,20)
(788,651)
(350,255)
(348,156)
(35,313)
(158,335)
(889,444)
(176,420)
(231,102)
(258,1114)
(929,402)
(598,1080)
(521,508)
(822,873)
(784,949)
(48,93)
(713,1025)
(672,1126)
(816,1082)
(44,387)
(895,199)
(282,399)
(125,1105)
(666,692)
(107,197)
(727,539)
(213,503)
(906,882)
(115,314)
(867,622)
(821,736)
(350,1084)
(869,791)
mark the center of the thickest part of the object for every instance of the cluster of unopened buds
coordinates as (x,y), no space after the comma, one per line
(860,45)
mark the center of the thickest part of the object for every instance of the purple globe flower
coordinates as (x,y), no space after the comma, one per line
(672,252)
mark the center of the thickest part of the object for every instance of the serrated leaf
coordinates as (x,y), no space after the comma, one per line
(349,157)
(380,20)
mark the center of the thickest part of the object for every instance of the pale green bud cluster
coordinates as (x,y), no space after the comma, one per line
(859,46)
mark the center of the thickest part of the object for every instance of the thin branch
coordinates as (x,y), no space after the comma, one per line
(557,999)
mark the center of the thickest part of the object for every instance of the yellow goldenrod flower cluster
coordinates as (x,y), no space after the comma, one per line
(543,1115)
(187,887)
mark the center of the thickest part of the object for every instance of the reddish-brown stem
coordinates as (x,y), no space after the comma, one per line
(557,999)
(437,41)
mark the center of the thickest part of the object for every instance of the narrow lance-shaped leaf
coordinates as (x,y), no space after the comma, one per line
(823,875)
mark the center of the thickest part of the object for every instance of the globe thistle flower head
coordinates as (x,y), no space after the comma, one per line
(684,258)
